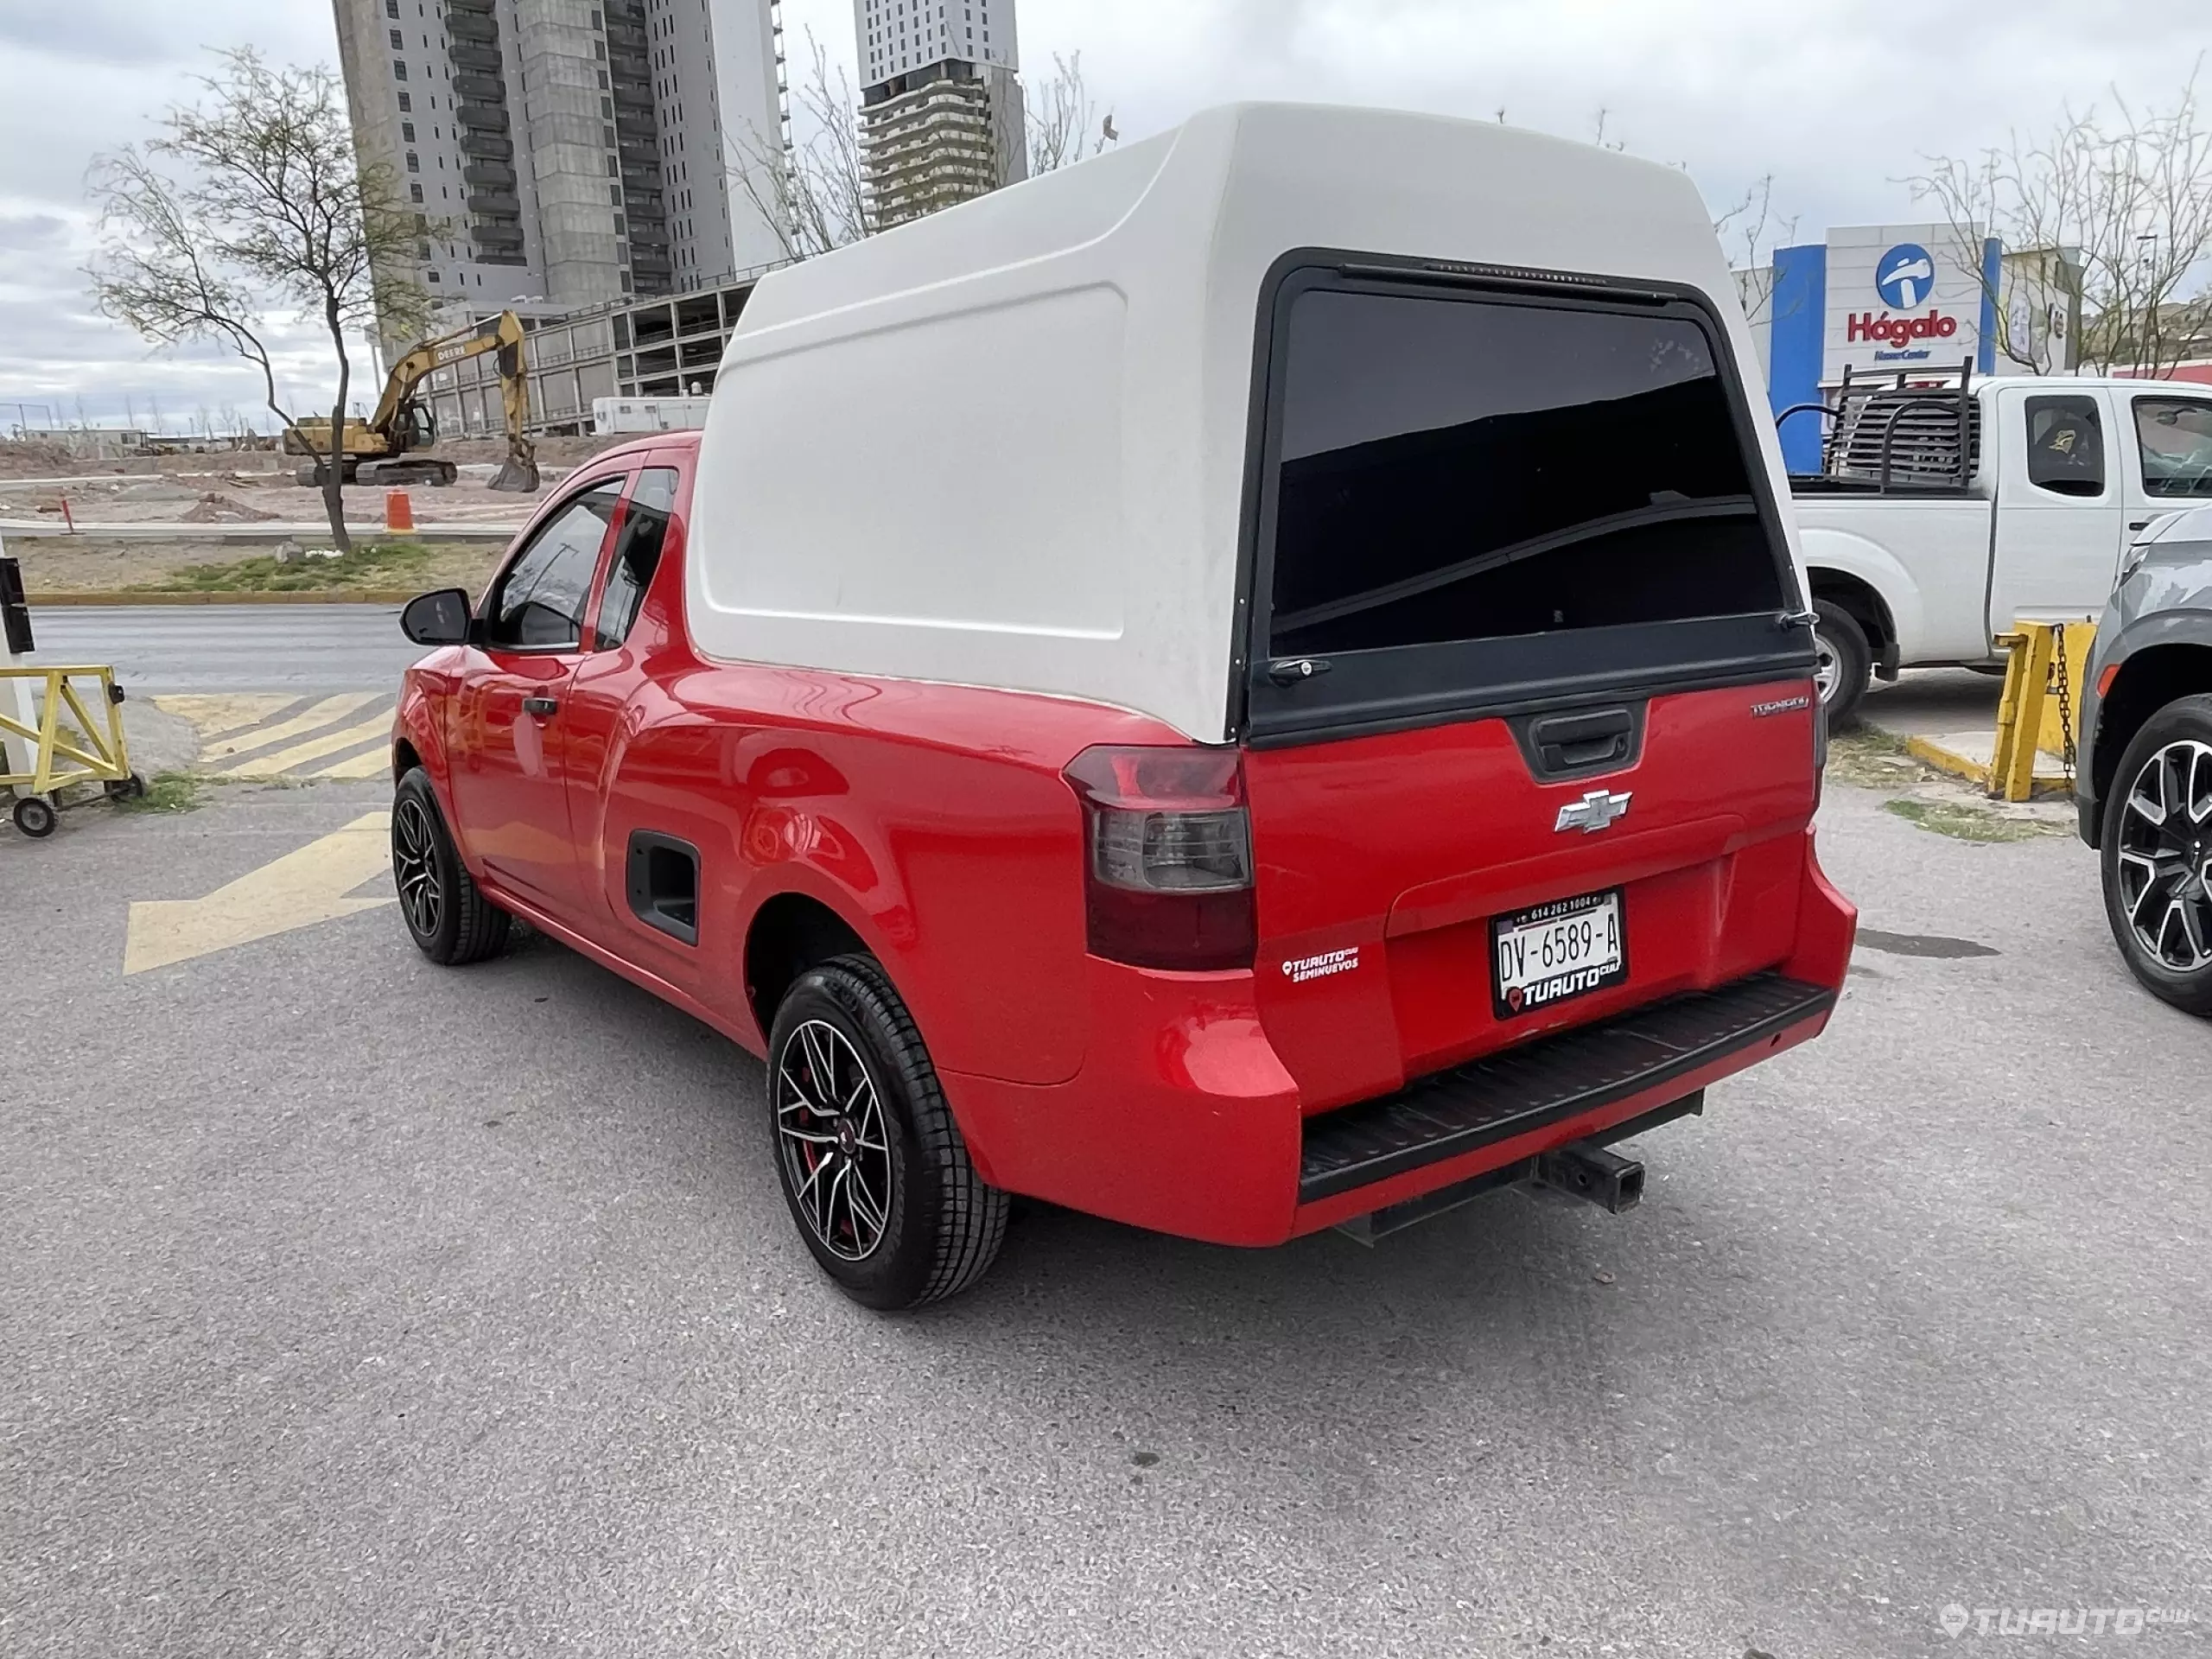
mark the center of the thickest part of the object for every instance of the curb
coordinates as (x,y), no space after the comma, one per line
(329,596)
(2048,784)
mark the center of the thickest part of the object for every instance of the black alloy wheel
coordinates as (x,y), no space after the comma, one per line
(872,1166)
(446,914)
(2157,855)
(835,1146)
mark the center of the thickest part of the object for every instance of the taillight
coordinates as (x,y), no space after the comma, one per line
(1167,857)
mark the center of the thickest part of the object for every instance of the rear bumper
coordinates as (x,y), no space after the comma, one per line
(1577,1075)
(1184,1120)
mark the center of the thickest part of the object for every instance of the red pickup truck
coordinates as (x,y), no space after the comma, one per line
(1190,689)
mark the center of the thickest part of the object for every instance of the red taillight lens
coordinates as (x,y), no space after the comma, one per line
(1167,857)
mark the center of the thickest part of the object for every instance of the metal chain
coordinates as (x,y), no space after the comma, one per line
(2065,697)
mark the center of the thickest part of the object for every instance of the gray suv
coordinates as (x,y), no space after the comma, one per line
(2146,788)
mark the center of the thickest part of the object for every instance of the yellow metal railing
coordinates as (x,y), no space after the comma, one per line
(92,751)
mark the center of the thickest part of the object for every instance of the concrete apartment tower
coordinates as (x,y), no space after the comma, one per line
(941,112)
(563,154)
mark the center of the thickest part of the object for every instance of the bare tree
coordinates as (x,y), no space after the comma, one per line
(1750,232)
(1063,120)
(813,190)
(2121,203)
(253,203)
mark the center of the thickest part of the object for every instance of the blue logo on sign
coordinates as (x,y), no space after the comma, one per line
(1904,276)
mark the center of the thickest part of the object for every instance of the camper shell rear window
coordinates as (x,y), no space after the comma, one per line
(1482,495)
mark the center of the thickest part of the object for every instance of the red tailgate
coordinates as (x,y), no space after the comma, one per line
(1381,862)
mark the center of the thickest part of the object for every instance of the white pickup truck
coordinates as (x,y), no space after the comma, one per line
(1944,514)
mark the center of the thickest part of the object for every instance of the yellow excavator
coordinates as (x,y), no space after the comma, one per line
(384,449)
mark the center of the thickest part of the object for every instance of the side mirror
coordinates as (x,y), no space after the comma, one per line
(439,618)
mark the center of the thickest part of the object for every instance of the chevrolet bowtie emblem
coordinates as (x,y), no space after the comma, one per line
(1593,812)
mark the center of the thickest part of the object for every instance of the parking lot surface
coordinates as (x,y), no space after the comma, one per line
(357,1307)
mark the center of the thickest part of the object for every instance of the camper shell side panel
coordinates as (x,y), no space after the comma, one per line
(1009,445)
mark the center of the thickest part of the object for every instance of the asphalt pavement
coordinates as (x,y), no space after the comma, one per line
(354,1306)
(300,649)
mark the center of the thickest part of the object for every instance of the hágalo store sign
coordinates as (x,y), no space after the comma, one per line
(1901,298)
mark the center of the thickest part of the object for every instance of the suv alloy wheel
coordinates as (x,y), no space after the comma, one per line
(2158,854)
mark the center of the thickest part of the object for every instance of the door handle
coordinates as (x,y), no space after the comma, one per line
(540,706)
(2138,524)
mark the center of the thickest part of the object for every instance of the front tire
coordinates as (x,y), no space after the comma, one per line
(1845,664)
(874,1168)
(448,916)
(2157,855)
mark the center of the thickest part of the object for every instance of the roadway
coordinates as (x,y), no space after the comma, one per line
(354,1306)
(300,649)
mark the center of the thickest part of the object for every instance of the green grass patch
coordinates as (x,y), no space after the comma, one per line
(1962,821)
(167,791)
(384,563)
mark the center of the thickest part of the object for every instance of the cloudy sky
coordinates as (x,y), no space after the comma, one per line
(1836,101)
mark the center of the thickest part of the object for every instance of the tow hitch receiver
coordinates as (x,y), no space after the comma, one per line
(1604,1178)
(1583,1170)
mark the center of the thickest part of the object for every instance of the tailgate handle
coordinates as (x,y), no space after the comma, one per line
(1567,742)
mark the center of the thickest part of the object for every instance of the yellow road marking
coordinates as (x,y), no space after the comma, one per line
(296,891)
(374,764)
(219,716)
(309,720)
(272,765)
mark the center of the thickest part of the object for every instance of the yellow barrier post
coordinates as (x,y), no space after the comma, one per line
(2020,712)
(2040,710)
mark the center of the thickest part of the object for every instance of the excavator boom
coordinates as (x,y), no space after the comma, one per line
(371,450)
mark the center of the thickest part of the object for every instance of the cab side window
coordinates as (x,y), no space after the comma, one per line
(2176,437)
(2066,446)
(538,604)
(637,554)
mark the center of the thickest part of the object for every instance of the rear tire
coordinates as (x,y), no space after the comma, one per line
(1847,662)
(2157,872)
(35,817)
(874,1168)
(446,914)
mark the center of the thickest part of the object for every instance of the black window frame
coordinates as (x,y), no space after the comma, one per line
(1746,649)
(2035,403)
(601,640)
(2136,400)
(586,623)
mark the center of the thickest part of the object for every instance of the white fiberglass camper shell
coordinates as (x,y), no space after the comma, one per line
(1012,445)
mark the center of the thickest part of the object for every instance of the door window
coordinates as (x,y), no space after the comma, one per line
(637,554)
(538,604)
(2175,435)
(2066,446)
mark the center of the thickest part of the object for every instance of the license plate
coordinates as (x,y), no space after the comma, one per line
(1568,948)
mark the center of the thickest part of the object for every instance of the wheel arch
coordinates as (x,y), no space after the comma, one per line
(1863,602)
(1854,571)
(790,932)
(2150,678)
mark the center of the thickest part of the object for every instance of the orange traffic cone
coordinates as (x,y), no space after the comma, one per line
(398,511)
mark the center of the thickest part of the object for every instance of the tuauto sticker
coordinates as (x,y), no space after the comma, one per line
(1321,967)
